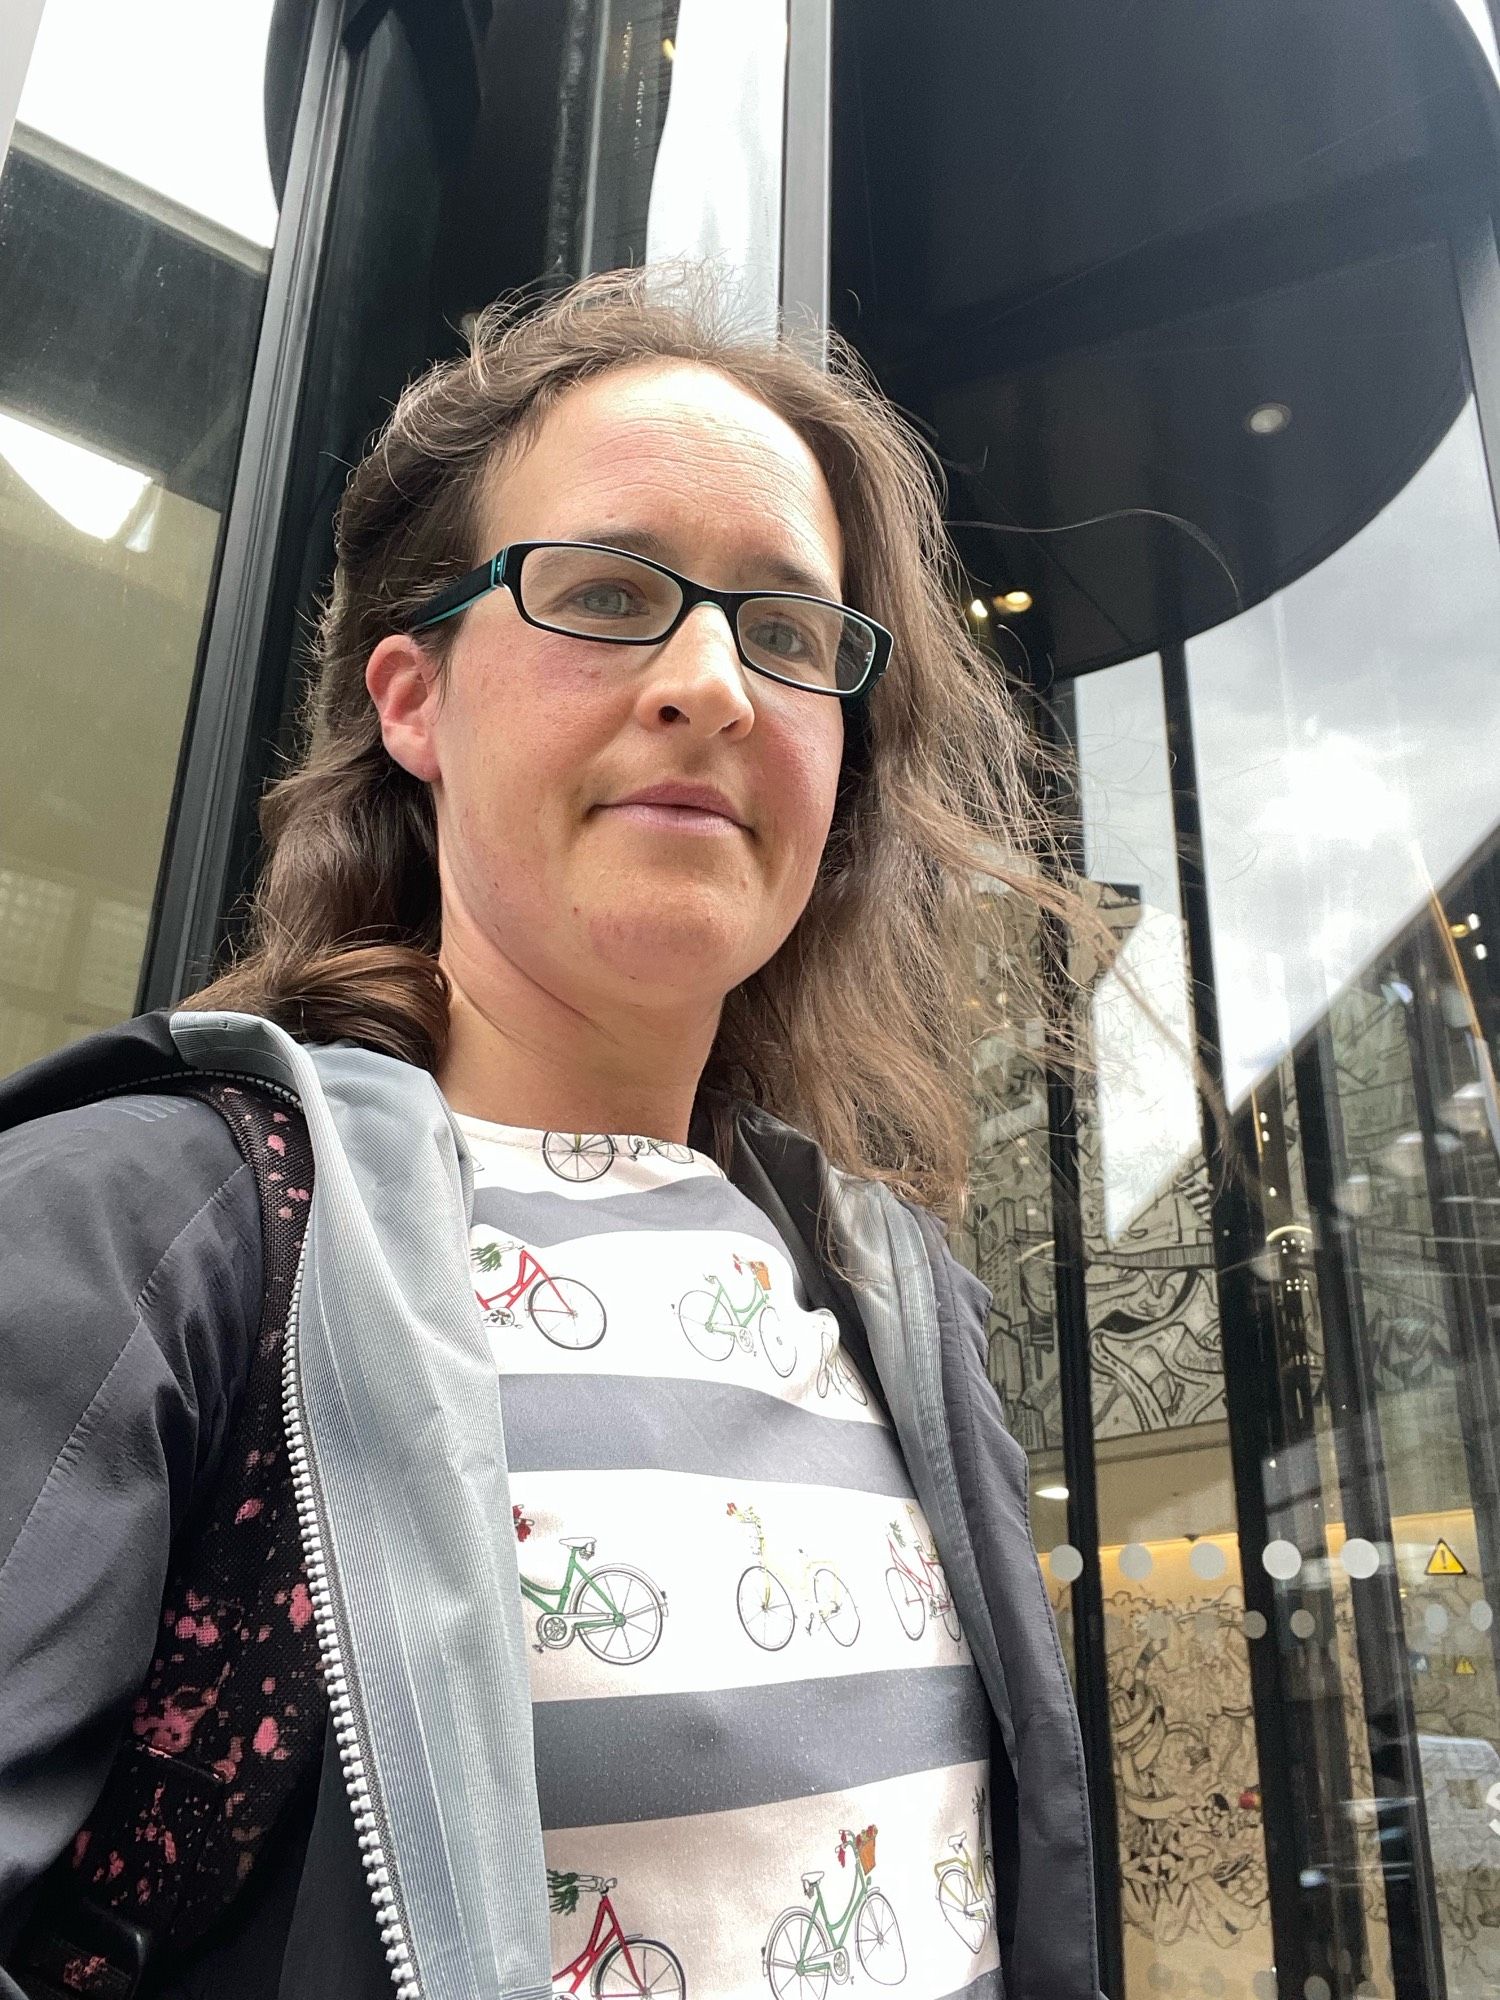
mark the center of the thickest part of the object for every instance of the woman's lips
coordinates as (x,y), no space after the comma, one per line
(677,819)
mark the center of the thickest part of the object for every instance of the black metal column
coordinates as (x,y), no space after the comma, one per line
(1075,1382)
(194,888)
(1298,1719)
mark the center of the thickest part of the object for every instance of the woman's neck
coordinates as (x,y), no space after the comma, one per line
(518,1055)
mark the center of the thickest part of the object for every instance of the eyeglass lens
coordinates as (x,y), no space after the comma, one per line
(598,594)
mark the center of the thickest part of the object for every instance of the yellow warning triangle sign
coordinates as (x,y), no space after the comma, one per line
(1443,1562)
(1464,1666)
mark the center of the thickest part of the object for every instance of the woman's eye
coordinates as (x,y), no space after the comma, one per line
(780,637)
(606,600)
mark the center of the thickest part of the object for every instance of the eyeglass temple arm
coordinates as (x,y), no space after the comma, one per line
(461,593)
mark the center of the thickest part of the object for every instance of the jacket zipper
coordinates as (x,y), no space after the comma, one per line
(371,1832)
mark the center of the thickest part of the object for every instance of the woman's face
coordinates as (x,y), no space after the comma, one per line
(532,740)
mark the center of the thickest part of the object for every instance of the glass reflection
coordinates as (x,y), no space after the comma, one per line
(136,215)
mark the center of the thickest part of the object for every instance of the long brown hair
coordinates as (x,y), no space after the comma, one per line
(860,1030)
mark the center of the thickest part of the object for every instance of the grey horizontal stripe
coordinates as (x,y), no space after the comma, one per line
(645,1757)
(704,1202)
(634,1423)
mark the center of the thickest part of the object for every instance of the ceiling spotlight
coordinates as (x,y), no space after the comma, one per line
(979,609)
(1266,419)
(1013,600)
(1052,1493)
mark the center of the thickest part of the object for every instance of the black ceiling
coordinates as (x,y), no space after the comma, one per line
(1080,244)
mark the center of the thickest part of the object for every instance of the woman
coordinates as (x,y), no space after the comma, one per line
(616,938)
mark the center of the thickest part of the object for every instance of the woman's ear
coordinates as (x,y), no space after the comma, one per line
(403,682)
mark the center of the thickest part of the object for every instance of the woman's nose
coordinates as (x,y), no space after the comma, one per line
(698,675)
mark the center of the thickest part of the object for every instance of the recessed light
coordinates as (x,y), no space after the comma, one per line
(669,48)
(1013,600)
(1052,1493)
(1266,419)
(979,609)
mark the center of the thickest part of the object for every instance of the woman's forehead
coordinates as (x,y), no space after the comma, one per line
(679,451)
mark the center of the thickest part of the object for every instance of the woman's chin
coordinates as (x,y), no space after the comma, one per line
(672,951)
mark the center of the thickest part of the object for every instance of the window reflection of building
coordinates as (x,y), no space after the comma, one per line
(130,297)
(1253,1362)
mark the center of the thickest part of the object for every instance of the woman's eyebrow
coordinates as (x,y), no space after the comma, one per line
(780,572)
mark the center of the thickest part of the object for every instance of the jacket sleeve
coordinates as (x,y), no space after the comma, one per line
(129,1304)
(1045,1919)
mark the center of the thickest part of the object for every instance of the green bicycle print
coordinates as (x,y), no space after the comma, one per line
(617,1611)
(623,1967)
(809,1946)
(966,1883)
(588,1156)
(564,1310)
(835,1369)
(917,1584)
(715,1325)
(764,1603)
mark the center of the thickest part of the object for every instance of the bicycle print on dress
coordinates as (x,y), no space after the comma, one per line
(765,1605)
(916,1582)
(616,1610)
(808,1946)
(966,1882)
(715,1325)
(579,1157)
(618,1966)
(563,1310)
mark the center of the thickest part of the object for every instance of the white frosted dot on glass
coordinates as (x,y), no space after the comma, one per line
(1281,1559)
(1263,1985)
(1135,1561)
(1206,1625)
(1159,1977)
(1066,1563)
(1359,1557)
(1303,1624)
(1435,1618)
(1159,1626)
(1316,1987)
(1212,1981)
(1480,1616)
(1206,1559)
(1255,1625)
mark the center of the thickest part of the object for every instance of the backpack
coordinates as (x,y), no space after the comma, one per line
(231,1717)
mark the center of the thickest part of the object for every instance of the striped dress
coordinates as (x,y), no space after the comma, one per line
(762,1748)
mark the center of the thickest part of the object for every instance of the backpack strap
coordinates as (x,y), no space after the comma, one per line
(232,1714)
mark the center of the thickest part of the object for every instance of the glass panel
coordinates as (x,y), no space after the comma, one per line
(1006,1238)
(1187,1784)
(685,114)
(136,215)
(1347,735)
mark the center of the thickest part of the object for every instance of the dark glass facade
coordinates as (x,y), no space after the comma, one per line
(1199,306)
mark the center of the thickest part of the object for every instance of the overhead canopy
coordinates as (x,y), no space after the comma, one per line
(1184,258)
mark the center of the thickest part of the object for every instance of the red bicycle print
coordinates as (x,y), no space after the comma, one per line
(917,1584)
(564,1310)
(715,1325)
(623,1967)
(588,1156)
(765,1604)
(835,1370)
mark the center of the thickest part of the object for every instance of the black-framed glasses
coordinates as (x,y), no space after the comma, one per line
(588,591)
